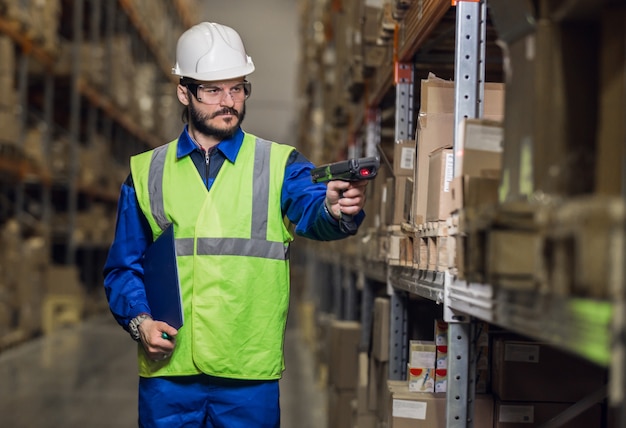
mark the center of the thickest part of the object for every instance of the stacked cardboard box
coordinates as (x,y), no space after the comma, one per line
(422,363)
(533,382)
(436,131)
(564,98)
(363,415)
(406,409)
(481,162)
(343,373)
(379,358)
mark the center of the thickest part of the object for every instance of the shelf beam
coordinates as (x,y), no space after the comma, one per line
(15,31)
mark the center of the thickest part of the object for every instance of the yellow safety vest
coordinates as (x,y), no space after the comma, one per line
(232,247)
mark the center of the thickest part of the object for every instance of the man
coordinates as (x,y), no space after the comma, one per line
(232,198)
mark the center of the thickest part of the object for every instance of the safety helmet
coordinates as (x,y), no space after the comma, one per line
(210,51)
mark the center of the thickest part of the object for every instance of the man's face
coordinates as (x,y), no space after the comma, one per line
(218,108)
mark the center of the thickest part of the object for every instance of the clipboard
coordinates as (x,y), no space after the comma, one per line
(161,280)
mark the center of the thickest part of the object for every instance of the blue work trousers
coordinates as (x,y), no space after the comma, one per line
(208,402)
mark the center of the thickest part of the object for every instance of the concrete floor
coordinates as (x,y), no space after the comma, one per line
(86,376)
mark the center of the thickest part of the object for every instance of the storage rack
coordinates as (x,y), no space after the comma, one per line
(591,328)
(77,51)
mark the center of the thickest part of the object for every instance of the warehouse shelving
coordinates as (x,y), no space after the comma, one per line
(61,93)
(585,326)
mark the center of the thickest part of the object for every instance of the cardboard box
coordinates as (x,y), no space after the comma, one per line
(609,166)
(340,407)
(386,200)
(377,388)
(437,96)
(441,333)
(398,189)
(512,254)
(404,157)
(428,410)
(422,363)
(345,337)
(531,371)
(482,147)
(362,405)
(436,129)
(368,420)
(473,192)
(437,133)
(519,120)
(422,379)
(441,380)
(483,361)
(566,86)
(440,174)
(532,414)
(380,329)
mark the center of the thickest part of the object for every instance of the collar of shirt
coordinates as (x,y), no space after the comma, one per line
(229,146)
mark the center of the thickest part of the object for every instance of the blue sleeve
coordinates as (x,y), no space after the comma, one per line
(303,202)
(123,269)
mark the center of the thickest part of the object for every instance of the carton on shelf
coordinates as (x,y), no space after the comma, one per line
(422,363)
(408,409)
(532,371)
(344,354)
(440,174)
(481,163)
(436,129)
(404,157)
(518,414)
(380,329)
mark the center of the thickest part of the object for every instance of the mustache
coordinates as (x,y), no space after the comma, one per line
(226,110)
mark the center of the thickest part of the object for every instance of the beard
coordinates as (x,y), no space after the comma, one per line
(200,122)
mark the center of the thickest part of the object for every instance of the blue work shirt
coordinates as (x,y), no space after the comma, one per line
(302,201)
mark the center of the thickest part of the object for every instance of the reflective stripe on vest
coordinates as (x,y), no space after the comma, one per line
(257,246)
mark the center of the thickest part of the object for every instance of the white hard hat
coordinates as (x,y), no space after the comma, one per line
(210,51)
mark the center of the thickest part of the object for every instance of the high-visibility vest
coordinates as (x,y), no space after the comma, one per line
(232,250)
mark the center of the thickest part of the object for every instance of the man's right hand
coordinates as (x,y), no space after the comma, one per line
(151,334)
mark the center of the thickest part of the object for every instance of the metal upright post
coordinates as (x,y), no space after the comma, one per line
(94,38)
(77,42)
(469,67)
(372,130)
(367,310)
(398,336)
(398,325)
(469,87)
(336,281)
(404,101)
(22,84)
(48,115)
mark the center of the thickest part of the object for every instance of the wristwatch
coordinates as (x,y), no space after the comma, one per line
(133,325)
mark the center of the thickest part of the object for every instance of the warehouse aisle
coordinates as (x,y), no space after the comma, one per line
(85,376)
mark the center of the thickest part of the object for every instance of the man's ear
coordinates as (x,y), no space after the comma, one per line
(183,94)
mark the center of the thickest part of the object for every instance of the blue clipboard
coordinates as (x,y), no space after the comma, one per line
(161,280)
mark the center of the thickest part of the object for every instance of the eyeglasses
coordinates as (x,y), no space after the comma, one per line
(208,93)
